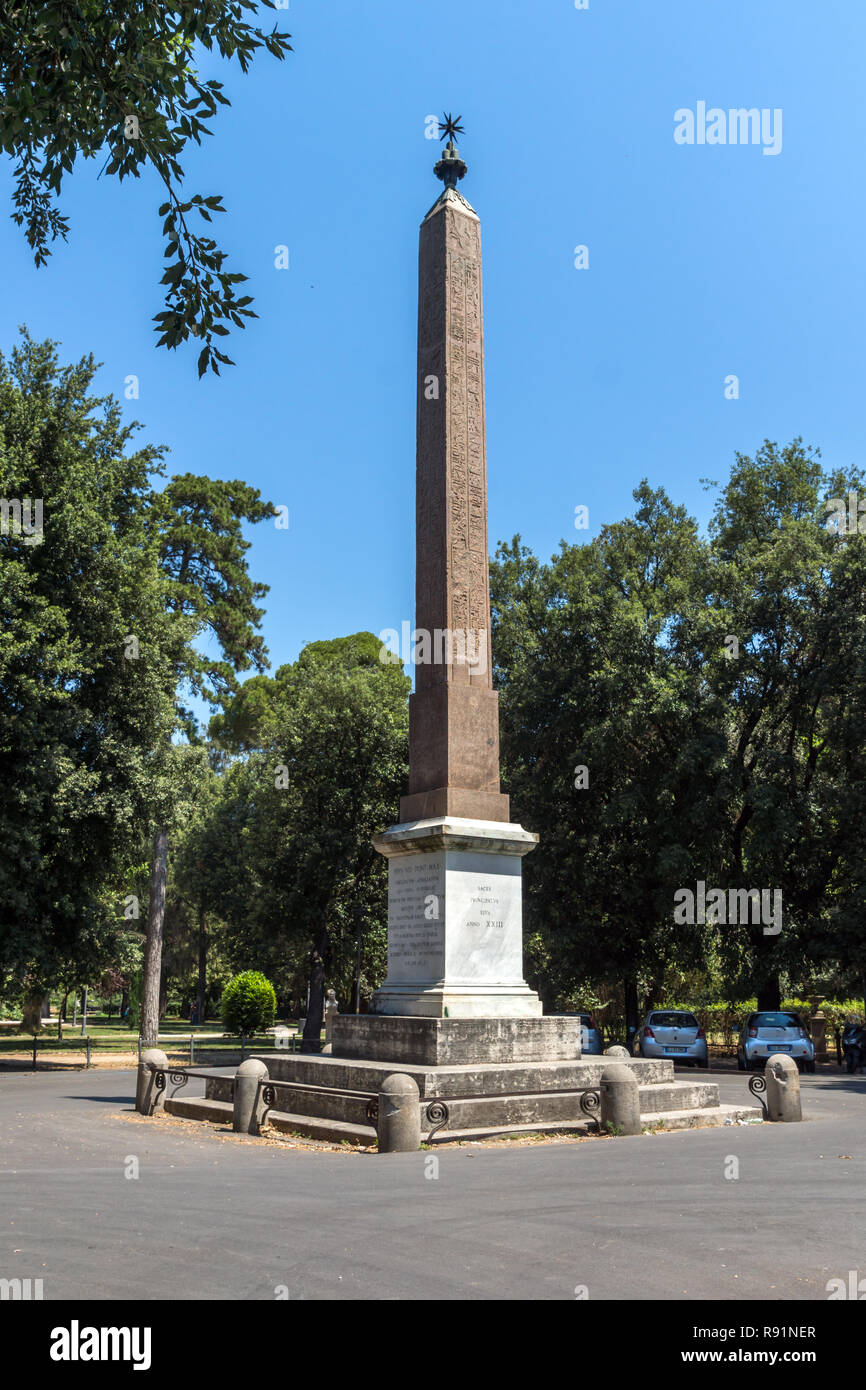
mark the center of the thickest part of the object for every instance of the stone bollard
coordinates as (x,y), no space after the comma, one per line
(616,1051)
(147,1097)
(783,1088)
(249,1105)
(620,1104)
(399,1123)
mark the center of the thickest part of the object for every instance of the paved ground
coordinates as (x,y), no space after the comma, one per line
(214,1216)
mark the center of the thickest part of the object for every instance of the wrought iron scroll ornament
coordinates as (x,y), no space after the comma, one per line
(757,1086)
(437,1115)
(178,1080)
(590,1103)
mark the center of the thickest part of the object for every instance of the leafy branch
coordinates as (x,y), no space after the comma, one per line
(77,76)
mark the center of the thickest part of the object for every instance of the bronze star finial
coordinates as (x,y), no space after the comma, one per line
(450,167)
(450,126)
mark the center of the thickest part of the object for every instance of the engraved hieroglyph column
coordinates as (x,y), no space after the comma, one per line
(454,720)
(455,936)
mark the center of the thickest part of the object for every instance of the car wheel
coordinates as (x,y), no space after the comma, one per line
(809,1067)
(741,1065)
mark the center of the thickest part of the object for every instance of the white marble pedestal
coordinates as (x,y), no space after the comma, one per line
(455,928)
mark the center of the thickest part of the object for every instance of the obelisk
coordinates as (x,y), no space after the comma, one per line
(455,939)
(454,717)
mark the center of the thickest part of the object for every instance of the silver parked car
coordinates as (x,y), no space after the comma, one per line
(672,1033)
(762,1034)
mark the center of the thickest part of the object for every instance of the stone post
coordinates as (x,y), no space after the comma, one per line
(783,1088)
(147,1097)
(249,1106)
(620,1103)
(617,1050)
(399,1123)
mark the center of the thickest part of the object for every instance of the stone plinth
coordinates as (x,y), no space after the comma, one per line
(455,929)
(456,1041)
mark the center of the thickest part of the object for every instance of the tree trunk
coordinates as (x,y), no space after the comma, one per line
(632,1017)
(770,995)
(312,1039)
(652,996)
(152,970)
(62,1010)
(124,1003)
(201,995)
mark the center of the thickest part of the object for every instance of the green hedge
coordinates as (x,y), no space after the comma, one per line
(721,1022)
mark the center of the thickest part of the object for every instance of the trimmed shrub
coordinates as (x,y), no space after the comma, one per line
(249,1003)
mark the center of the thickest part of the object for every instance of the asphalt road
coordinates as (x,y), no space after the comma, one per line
(215,1216)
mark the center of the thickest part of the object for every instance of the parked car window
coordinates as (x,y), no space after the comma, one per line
(672,1019)
(776,1021)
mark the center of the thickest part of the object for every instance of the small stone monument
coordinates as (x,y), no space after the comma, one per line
(818,1027)
(332,1009)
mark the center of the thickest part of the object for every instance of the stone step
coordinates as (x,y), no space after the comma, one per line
(337,1131)
(313,1127)
(539,1107)
(678,1095)
(310,1126)
(551,1107)
(478,1112)
(194,1108)
(320,1102)
(702,1118)
(441,1083)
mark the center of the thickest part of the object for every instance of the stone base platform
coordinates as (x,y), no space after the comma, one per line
(454,1041)
(334,1098)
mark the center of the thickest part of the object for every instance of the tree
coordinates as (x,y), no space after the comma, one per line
(602,746)
(708,697)
(87,662)
(105,585)
(208,589)
(82,79)
(327,762)
(791,591)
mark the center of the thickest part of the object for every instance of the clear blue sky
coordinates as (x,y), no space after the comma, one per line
(704,261)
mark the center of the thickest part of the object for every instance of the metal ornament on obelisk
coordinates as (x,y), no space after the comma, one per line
(455,939)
